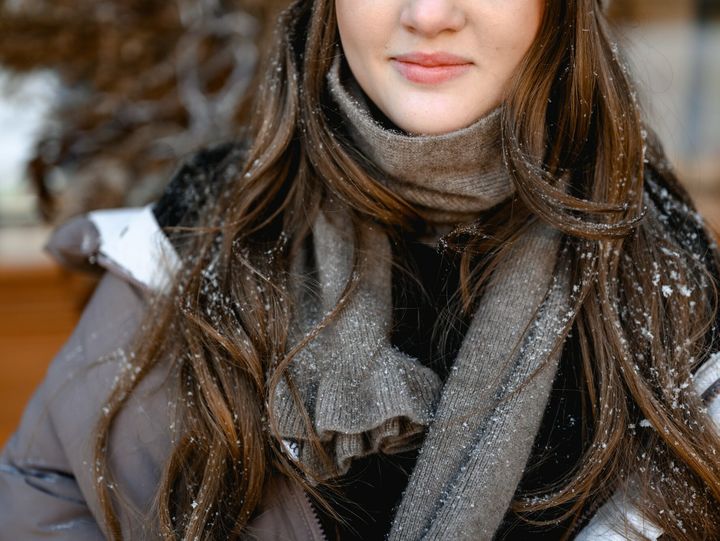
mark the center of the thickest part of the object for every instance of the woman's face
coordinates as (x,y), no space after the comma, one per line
(435,66)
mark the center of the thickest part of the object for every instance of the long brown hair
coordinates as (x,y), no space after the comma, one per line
(582,161)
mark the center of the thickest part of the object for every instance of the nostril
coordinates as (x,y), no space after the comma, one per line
(432,17)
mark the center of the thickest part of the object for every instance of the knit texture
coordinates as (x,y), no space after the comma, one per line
(364,396)
(449,178)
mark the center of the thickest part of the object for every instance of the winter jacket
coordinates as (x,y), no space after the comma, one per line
(47,477)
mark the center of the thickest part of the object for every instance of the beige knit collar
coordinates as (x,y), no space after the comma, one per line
(450,178)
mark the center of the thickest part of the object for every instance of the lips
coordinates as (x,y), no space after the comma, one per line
(430,68)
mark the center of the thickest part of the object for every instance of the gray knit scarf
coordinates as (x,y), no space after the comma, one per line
(364,396)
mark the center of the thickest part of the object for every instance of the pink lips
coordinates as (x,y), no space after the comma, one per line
(430,68)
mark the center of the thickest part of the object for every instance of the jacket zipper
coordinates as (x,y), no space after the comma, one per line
(585,518)
(315,516)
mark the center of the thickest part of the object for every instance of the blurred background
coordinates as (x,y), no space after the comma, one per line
(101,99)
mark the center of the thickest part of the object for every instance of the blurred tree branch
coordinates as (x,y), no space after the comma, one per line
(144,83)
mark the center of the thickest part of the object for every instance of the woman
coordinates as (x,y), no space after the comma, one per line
(447,287)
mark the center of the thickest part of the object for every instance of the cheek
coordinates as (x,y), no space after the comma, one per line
(363,26)
(514,33)
(346,12)
(366,28)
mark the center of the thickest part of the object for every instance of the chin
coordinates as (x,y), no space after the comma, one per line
(432,123)
(420,114)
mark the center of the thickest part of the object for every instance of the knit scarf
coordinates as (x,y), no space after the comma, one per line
(364,396)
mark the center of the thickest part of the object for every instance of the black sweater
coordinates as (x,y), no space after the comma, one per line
(374,485)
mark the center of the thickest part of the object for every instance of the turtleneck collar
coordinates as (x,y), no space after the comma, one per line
(449,178)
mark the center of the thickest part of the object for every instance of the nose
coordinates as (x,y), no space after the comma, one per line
(432,17)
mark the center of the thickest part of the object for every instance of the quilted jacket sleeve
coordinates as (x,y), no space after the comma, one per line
(45,477)
(47,482)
